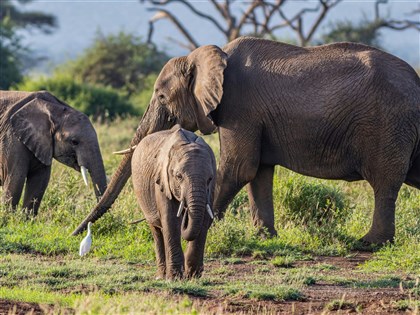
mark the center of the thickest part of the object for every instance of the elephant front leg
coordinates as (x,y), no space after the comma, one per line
(260,192)
(238,166)
(36,184)
(159,251)
(194,255)
(171,230)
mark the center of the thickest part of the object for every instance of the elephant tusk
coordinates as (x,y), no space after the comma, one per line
(84,174)
(181,207)
(137,221)
(209,211)
(122,152)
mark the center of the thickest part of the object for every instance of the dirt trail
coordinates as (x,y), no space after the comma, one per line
(317,297)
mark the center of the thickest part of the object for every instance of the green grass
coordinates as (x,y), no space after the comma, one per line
(39,260)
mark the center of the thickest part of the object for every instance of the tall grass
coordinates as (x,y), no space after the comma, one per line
(313,217)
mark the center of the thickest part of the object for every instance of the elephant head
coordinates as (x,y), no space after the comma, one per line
(55,130)
(186,92)
(186,173)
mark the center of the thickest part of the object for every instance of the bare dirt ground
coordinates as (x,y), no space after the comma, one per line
(316,297)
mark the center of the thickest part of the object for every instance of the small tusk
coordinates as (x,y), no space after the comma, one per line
(137,221)
(209,211)
(84,174)
(129,150)
(181,207)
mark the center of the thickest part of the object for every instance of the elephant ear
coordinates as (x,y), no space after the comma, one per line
(164,155)
(32,125)
(206,65)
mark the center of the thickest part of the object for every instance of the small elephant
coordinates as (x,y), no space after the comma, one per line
(173,177)
(36,127)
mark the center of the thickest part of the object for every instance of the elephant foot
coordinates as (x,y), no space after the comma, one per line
(194,272)
(266,233)
(174,274)
(160,275)
(372,239)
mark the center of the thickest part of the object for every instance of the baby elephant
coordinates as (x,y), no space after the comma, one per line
(173,176)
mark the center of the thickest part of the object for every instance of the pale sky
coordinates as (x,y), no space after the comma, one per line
(80,20)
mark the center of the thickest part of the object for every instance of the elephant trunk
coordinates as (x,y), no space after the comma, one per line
(192,221)
(98,175)
(153,120)
(90,161)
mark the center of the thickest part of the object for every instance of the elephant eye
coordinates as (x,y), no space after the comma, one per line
(74,142)
(209,181)
(162,98)
(178,176)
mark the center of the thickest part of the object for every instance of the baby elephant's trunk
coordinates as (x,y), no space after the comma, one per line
(192,221)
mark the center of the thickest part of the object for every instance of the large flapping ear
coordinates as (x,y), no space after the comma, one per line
(33,126)
(206,65)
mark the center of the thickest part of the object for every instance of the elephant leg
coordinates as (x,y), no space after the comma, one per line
(13,187)
(171,230)
(159,251)
(260,192)
(383,224)
(413,176)
(194,255)
(174,256)
(36,184)
(239,162)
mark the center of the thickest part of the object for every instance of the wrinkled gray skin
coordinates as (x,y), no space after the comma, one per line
(167,167)
(36,127)
(339,111)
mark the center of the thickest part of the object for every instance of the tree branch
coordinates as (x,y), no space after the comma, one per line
(161,14)
(192,8)
(325,8)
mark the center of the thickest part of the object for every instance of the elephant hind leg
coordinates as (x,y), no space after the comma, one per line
(12,189)
(383,224)
(159,251)
(413,176)
(386,184)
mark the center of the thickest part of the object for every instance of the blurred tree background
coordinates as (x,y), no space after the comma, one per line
(115,75)
(121,61)
(13,54)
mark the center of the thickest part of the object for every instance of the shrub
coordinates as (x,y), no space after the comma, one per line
(121,61)
(98,102)
(313,204)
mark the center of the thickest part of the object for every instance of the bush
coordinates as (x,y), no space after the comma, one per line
(98,102)
(313,204)
(121,61)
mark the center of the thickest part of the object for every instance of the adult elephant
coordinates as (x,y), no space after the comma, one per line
(36,127)
(340,111)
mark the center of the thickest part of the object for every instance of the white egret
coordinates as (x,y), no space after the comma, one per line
(86,242)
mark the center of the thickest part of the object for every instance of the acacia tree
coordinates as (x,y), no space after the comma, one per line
(263,18)
(12,52)
(367,30)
